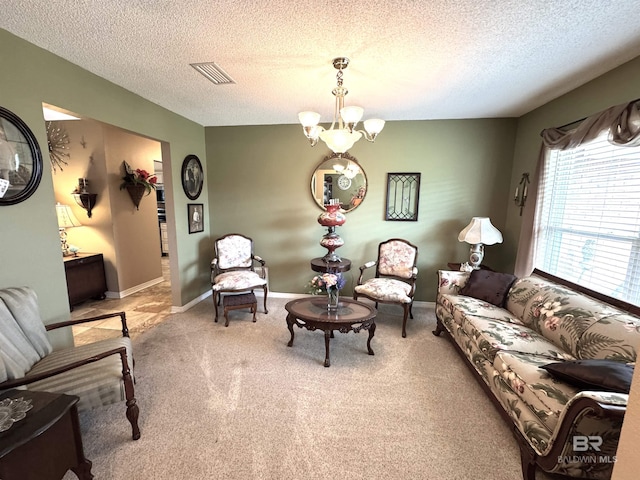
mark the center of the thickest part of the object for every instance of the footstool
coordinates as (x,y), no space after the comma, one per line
(236,302)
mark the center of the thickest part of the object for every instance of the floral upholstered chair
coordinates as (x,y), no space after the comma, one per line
(233,268)
(395,277)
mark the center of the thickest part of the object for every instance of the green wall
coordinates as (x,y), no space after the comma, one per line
(259,185)
(258,179)
(30,252)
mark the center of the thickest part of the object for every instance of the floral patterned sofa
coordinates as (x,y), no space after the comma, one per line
(516,334)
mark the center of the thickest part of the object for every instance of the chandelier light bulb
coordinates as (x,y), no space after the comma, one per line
(339,140)
(351,116)
(373,126)
(309,119)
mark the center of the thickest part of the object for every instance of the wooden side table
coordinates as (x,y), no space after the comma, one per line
(456,266)
(46,443)
(319,265)
(85,277)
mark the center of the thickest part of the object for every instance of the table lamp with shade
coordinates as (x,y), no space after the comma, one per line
(66,219)
(478,233)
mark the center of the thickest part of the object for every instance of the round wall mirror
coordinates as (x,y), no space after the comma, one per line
(20,159)
(339,176)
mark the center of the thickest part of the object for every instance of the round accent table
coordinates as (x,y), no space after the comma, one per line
(312,314)
(320,265)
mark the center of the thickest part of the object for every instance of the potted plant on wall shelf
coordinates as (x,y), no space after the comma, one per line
(138,183)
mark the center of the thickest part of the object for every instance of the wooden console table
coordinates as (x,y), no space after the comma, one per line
(85,277)
(46,443)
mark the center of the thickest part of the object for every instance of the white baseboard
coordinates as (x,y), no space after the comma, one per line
(192,303)
(136,289)
(260,293)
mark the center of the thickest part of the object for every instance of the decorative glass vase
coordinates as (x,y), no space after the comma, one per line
(331,219)
(333,295)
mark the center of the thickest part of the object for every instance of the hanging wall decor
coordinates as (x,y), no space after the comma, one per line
(403,193)
(58,141)
(20,159)
(138,183)
(195,214)
(192,177)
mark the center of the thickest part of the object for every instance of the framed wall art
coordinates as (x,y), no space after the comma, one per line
(403,193)
(20,159)
(195,217)
(192,177)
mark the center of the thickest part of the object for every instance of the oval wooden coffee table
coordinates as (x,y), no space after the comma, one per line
(312,314)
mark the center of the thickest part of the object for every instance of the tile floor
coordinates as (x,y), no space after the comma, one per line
(144,309)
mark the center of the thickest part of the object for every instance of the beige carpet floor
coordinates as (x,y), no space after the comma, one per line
(237,403)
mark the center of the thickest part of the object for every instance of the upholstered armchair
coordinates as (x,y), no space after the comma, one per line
(98,373)
(395,277)
(233,268)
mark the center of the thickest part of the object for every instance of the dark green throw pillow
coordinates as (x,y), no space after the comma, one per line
(594,374)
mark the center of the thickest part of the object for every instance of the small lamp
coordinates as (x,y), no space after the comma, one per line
(66,219)
(478,233)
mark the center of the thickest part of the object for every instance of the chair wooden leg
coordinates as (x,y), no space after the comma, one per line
(216,299)
(405,307)
(265,299)
(411,310)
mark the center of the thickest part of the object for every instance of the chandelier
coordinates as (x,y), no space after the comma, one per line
(342,134)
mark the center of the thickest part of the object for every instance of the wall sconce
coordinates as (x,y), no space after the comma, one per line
(83,198)
(66,219)
(520,197)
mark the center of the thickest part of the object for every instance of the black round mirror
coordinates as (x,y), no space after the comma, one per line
(340,177)
(20,159)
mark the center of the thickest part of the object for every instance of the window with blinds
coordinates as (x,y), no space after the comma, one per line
(588,218)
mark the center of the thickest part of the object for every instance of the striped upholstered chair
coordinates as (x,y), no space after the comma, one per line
(98,373)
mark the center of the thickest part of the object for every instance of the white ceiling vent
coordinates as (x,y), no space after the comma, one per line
(213,72)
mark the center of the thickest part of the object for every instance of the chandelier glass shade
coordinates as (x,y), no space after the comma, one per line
(342,133)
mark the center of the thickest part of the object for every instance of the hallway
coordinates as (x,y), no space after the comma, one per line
(144,309)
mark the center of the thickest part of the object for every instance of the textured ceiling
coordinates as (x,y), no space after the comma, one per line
(410,60)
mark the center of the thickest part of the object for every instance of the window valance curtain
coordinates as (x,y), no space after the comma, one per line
(623,123)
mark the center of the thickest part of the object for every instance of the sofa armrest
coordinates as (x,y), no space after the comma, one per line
(597,415)
(26,380)
(451,281)
(69,323)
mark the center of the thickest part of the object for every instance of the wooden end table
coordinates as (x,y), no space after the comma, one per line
(312,314)
(320,265)
(46,443)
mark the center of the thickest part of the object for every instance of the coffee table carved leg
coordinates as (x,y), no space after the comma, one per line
(372,331)
(290,321)
(327,335)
